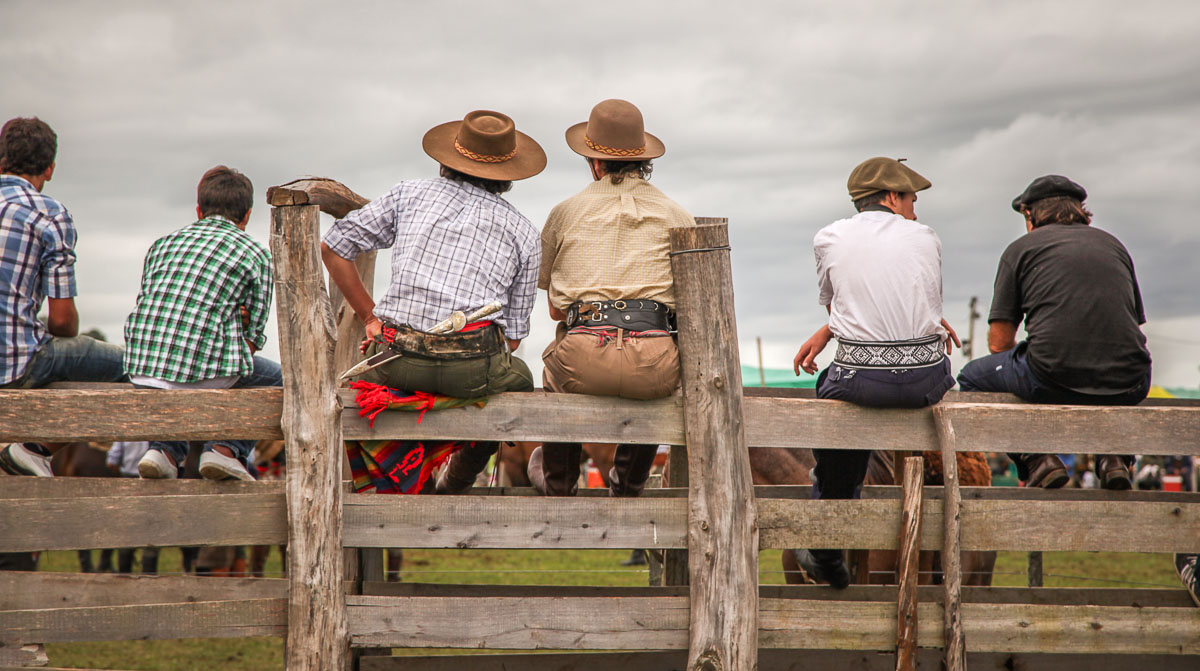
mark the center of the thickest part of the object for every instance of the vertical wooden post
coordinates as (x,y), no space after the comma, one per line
(722,518)
(675,562)
(908,563)
(955,638)
(317,631)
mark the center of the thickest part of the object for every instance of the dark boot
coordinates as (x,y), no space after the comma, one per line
(631,469)
(1046,471)
(554,468)
(459,474)
(1113,472)
(149,561)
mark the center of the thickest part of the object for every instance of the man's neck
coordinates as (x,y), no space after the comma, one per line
(878,207)
(38,181)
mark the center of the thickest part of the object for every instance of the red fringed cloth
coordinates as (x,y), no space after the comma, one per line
(400,466)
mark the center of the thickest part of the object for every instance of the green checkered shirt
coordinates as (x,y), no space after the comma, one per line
(187,325)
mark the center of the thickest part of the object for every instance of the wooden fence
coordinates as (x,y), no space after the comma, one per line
(722,619)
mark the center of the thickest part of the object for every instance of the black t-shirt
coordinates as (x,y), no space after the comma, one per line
(1075,287)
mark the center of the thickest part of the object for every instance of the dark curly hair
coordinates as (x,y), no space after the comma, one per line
(27,146)
(617,170)
(489,185)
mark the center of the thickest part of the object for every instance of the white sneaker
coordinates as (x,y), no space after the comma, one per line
(216,466)
(155,465)
(20,460)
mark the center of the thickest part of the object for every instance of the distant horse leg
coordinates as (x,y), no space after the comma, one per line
(125,560)
(150,561)
(85,561)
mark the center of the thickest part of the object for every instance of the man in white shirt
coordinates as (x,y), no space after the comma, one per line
(880,277)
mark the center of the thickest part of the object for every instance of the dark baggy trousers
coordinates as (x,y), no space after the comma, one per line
(839,474)
(1010,372)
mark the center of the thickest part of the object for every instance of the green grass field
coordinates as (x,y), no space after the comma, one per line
(539,567)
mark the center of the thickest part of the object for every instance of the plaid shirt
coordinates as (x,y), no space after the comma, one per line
(37,261)
(187,325)
(454,247)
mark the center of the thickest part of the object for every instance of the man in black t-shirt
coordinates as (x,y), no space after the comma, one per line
(1076,290)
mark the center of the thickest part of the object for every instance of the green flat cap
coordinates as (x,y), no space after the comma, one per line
(884,174)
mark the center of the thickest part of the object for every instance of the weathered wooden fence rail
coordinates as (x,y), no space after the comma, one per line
(722,618)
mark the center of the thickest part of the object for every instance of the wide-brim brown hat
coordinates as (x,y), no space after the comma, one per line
(884,174)
(485,144)
(614,132)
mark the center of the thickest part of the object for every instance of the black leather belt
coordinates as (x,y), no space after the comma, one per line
(460,345)
(630,314)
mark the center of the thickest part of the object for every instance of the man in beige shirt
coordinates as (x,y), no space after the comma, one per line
(608,277)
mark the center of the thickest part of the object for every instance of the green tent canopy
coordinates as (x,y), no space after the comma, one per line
(777,377)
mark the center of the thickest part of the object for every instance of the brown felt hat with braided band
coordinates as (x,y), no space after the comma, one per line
(614,132)
(485,144)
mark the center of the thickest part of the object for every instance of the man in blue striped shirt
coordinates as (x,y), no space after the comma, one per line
(37,264)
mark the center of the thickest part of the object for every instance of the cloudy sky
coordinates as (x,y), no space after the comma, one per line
(765,107)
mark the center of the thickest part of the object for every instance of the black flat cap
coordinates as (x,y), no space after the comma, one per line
(1048,186)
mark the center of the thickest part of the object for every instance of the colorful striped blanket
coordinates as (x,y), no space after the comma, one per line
(399,466)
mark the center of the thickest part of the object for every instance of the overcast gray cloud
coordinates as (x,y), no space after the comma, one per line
(764,107)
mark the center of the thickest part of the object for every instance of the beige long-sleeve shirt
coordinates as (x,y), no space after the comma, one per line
(610,242)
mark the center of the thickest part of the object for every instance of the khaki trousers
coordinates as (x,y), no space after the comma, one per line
(624,366)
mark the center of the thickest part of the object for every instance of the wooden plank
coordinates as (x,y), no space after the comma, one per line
(520,623)
(1082,429)
(722,525)
(106,522)
(475,521)
(952,631)
(777,660)
(1052,596)
(19,488)
(477,590)
(660,623)
(913,478)
(533,416)
(986,525)
(204,619)
(77,488)
(516,522)
(316,635)
(65,416)
(41,590)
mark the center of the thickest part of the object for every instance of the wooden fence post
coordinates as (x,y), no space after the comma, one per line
(675,562)
(722,517)
(954,638)
(913,479)
(317,632)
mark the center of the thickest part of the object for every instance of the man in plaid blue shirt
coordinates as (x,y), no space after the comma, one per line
(200,317)
(37,262)
(456,245)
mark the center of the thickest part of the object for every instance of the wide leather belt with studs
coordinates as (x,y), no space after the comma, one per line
(629,314)
(918,353)
(475,344)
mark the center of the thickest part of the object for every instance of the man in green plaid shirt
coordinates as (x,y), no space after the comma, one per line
(200,317)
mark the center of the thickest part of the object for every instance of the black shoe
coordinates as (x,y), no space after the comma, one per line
(835,573)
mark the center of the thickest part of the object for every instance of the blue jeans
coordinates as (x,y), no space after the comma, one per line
(77,359)
(1010,372)
(266,373)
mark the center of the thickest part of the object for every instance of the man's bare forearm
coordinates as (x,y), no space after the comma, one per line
(345,276)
